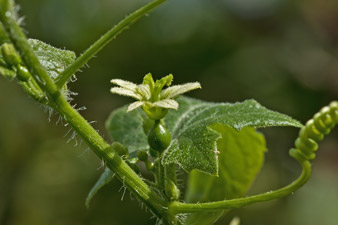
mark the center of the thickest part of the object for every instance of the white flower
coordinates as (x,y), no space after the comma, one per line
(154,101)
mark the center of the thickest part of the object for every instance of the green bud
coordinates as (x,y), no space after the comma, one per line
(142,156)
(159,137)
(22,73)
(3,35)
(171,190)
(3,63)
(10,55)
(120,149)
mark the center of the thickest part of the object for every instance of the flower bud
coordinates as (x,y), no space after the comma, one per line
(10,55)
(22,73)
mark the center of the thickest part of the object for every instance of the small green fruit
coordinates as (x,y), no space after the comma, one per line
(120,149)
(150,165)
(159,137)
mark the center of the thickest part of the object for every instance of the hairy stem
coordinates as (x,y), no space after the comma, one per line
(178,207)
(102,149)
(112,159)
(165,177)
(170,173)
(160,176)
(20,42)
(104,40)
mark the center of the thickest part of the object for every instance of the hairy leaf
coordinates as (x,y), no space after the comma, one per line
(104,179)
(241,158)
(193,144)
(54,60)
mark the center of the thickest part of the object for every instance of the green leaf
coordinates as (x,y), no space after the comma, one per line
(127,128)
(54,60)
(193,144)
(106,177)
(241,158)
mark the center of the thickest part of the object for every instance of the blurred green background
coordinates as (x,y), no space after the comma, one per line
(282,53)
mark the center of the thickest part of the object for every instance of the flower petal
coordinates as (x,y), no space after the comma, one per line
(144,90)
(176,90)
(167,104)
(125,92)
(134,105)
(124,84)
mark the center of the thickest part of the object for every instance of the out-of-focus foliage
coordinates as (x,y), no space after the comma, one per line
(281,53)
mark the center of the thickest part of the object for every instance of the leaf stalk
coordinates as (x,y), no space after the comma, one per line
(179,207)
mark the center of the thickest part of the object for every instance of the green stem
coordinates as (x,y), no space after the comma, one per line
(170,173)
(35,93)
(112,159)
(3,35)
(26,52)
(78,123)
(104,40)
(171,190)
(178,207)
(160,177)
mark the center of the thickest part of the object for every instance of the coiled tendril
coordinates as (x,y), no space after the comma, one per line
(314,131)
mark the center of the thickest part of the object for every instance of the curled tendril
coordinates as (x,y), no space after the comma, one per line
(314,131)
(306,146)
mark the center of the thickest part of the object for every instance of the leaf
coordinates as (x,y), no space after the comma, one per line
(127,128)
(106,177)
(54,60)
(241,158)
(193,144)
